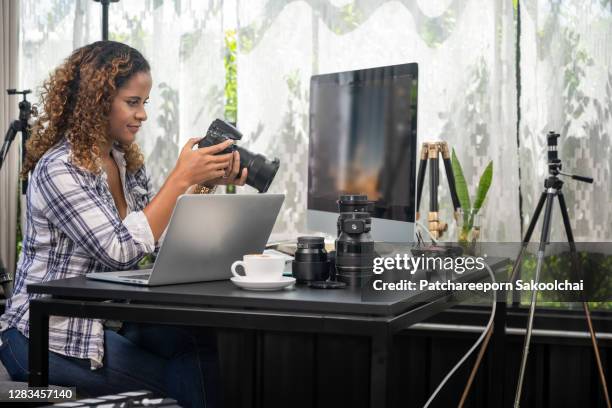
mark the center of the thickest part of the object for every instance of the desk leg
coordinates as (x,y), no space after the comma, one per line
(39,345)
(497,356)
(380,369)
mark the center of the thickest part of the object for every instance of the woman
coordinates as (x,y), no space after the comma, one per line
(89,209)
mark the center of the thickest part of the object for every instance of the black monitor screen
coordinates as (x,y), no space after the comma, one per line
(363,134)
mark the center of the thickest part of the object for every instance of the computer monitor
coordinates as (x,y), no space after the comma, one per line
(363,140)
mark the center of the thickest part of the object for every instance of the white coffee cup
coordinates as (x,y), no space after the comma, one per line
(261,267)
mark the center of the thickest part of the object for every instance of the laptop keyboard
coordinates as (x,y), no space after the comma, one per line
(143,277)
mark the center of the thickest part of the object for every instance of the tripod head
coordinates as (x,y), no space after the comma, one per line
(25,108)
(16,92)
(554,163)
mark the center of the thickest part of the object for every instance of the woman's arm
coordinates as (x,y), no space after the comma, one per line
(65,195)
(192,167)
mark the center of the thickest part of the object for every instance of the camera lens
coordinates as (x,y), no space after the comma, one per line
(310,260)
(354,248)
(261,171)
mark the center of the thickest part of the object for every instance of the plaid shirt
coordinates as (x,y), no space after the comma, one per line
(73,228)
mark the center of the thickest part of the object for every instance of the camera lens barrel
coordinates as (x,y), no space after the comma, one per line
(261,171)
(354,247)
(310,261)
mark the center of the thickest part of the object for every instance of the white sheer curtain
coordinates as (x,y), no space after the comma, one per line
(467,84)
(465,51)
(184,43)
(566,86)
(9,46)
(182,40)
(50,31)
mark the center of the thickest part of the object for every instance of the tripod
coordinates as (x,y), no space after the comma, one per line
(431,151)
(552,189)
(20,125)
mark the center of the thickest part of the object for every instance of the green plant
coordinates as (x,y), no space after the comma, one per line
(231,77)
(469,210)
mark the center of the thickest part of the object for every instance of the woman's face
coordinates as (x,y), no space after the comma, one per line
(127,109)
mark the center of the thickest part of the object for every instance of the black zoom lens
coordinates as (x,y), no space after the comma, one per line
(354,248)
(261,171)
(310,261)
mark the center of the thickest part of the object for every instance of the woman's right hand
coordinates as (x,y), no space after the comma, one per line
(201,165)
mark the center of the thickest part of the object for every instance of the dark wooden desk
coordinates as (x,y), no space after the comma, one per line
(220,304)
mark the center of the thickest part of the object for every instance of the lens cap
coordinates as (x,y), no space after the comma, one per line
(327,285)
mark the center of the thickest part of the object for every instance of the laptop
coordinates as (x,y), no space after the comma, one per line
(206,234)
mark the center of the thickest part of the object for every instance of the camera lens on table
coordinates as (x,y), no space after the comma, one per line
(354,245)
(310,261)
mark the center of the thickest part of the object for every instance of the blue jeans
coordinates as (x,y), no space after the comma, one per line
(178,362)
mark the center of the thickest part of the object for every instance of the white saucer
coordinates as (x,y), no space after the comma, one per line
(251,284)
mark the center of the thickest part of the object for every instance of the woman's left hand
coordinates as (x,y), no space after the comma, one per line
(232,177)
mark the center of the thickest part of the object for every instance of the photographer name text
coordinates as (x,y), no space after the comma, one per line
(450,285)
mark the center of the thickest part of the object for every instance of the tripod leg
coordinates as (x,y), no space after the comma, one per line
(8,139)
(421,177)
(550,195)
(515,268)
(532,225)
(566,223)
(434,174)
(434,224)
(585,305)
(25,135)
(451,178)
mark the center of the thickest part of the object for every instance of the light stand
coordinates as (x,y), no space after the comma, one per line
(552,189)
(19,125)
(105,4)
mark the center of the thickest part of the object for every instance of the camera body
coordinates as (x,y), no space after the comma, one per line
(218,132)
(261,171)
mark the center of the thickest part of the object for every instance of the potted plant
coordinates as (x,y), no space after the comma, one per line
(469,222)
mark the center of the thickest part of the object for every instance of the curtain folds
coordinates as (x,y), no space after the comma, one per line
(566,72)
(184,44)
(9,50)
(466,50)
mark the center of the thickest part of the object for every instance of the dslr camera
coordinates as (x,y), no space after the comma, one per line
(261,171)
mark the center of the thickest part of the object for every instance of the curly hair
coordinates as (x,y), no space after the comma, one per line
(76,101)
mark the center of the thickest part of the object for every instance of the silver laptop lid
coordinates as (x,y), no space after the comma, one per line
(207,233)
